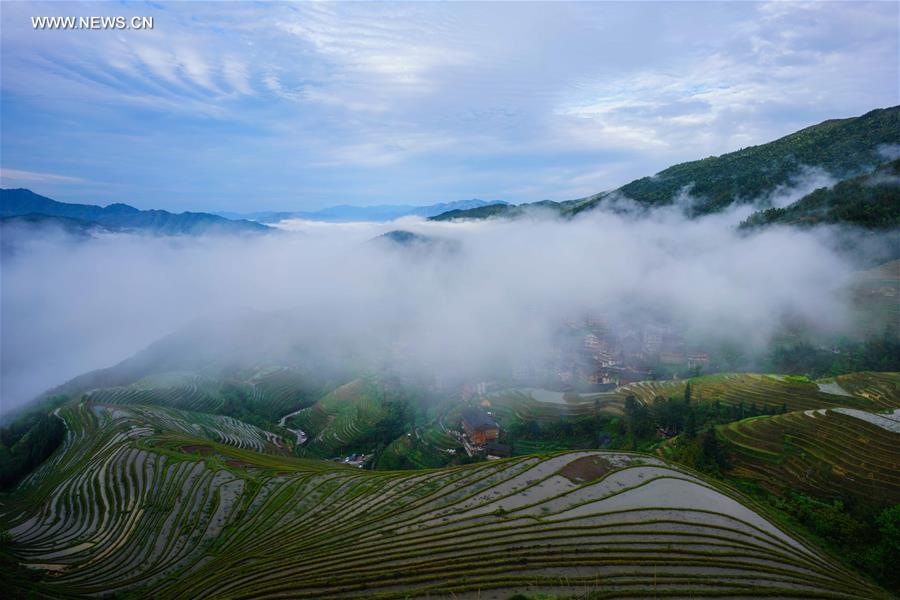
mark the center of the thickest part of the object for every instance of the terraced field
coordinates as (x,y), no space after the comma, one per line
(870,391)
(543,405)
(341,418)
(829,452)
(133,503)
(867,391)
(278,390)
(186,391)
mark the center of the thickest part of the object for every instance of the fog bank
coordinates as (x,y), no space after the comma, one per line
(498,291)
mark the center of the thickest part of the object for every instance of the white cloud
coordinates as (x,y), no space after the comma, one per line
(7,175)
(237,74)
(421,89)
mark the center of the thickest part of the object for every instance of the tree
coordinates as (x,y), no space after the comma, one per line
(638,421)
(713,457)
(690,425)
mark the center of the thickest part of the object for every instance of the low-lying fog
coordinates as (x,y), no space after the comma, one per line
(487,290)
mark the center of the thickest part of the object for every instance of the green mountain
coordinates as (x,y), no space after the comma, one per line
(845,148)
(871,201)
(20,202)
(500,210)
(842,147)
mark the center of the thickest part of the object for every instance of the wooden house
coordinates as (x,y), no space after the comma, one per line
(479,426)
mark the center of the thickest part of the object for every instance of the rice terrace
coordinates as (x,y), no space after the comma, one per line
(139,496)
(449,300)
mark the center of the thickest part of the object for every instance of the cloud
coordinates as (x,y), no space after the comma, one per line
(17,175)
(498,297)
(806,181)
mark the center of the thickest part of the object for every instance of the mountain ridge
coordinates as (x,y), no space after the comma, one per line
(844,148)
(18,202)
(351,213)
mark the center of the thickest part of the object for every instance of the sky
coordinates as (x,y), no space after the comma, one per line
(265,106)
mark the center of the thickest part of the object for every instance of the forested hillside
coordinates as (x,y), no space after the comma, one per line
(871,201)
(843,148)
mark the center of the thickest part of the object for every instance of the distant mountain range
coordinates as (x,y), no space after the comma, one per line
(844,148)
(26,206)
(348,213)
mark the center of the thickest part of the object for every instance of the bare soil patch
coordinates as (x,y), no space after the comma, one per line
(586,468)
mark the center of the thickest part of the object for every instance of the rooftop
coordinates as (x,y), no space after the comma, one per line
(478,419)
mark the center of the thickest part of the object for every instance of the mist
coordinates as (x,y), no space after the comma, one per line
(469,295)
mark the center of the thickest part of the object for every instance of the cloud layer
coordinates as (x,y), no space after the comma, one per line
(498,293)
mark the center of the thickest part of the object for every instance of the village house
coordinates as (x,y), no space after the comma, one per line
(497,450)
(479,426)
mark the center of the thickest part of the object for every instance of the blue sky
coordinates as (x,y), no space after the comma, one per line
(251,106)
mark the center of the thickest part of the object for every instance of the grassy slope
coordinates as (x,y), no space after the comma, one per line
(124,506)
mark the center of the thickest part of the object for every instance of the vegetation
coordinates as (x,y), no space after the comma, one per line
(871,201)
(362,416)
(831,472)
(140,495)
(260,397)
(481,212)
(876,353)
(499,210)
(132,507)
(27,442)
(843,147)
(751,394)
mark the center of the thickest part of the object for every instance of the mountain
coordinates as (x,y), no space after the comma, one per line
(871,201)
(844,148)
(378,213)
(408,240)
(499,210)
(20,202)
(403,238)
